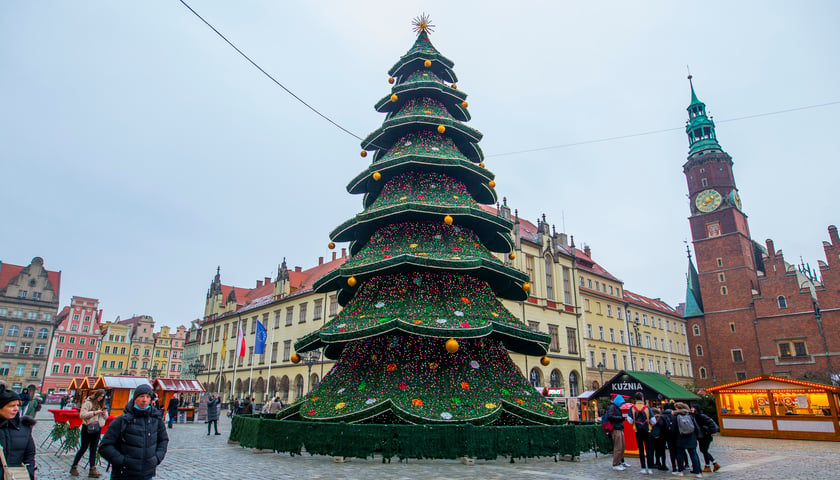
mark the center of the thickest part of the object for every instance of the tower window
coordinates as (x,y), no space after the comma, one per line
(723,290)
(696,330)
(704,182)
(719,262)
(732,327)
(702,372)
(721,277)
(782,301)
(699,350)
(737,356)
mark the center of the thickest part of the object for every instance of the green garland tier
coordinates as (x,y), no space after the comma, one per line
(415,58)
(433,304)
(414,118)
(424,151)
(416,197)
(424,83)
(430,246)
(417,380)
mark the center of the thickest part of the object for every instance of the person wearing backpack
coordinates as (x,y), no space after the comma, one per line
(669,430)
(687,430)
(657,440)
(708,427)
(617,419)
(641,415)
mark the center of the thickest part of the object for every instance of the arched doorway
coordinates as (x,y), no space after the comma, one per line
(259,389)
(284,388)
(574,389)
(313,382)
(272,387)
(237,392)
(536,377)
(298,387)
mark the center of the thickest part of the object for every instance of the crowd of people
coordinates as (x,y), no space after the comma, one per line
(676,427)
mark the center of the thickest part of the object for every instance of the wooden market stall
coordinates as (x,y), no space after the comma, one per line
(120,389)
(775,407)
(188,390)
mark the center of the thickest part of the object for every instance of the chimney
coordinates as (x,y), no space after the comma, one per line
(267,280)
(564,240)
(298,269)
(587,251)
(334,253)
(259,283)
(343,252)
(320,260)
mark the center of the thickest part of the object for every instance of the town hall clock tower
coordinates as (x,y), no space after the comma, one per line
(719,304)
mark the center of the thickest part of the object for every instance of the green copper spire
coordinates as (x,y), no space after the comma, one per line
(693,301)
(699,128)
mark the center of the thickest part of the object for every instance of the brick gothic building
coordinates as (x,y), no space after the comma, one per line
(749,312)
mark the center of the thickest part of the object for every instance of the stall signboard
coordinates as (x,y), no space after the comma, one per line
(555,392)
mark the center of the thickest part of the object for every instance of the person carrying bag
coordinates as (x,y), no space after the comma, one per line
(13,473)
(93,415)
(17,448)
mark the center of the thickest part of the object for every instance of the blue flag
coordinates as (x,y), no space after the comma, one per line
(259,341)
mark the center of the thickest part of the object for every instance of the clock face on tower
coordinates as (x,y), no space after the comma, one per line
(735,199)
(707,200)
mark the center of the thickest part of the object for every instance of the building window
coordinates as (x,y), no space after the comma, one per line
(732,327)
(740,375)
(647,342)
(586,305)
(9,347)
(535,326)
(782,301)
(317,310)
(699,350)
(13,331)
(609,310)
(277,316)
(799,349)
(333,306)
(600,332)
(589,330)
(536,377)
(737,356)
(289,315)
(621,336)
(644,320)
(719,262)
(555,379)
(567,291)
(571,340)
(28,332)
(721,277)
(274,348)
(784,350)
(713,229)
(40,348)
(702,372)
(529,266)
(612,335)
(573,384)
(90,355)
(723,290)
(554,346)
(549,280)
(287,350)
(582,282)
(696,330)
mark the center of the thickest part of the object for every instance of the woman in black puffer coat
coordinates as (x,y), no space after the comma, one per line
(136,441)
(16,432)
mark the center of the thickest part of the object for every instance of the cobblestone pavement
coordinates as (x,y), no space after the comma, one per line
(194,455)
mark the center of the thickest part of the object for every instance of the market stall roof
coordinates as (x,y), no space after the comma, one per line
(178,385)
(91,383)
(125,382)
(74,384)
(587,394)
(654,386)
(769,382)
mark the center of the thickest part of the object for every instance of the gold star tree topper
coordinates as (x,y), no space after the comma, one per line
(423,23)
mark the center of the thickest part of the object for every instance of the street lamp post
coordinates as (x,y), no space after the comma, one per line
(196,368)
(154,372)
(601,371)
(310,358)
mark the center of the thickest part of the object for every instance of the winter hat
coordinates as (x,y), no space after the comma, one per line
(618,400)
(142,390)
(7,396)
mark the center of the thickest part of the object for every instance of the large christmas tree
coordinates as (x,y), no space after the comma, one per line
(423,337)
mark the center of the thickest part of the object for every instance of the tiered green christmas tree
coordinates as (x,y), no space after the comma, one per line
(422,337)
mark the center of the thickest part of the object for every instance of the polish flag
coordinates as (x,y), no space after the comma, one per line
(240,344)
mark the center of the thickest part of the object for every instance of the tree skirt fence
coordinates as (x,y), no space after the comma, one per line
(416,441)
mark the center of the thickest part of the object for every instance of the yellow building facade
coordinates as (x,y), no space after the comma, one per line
(114,349)
(162,353)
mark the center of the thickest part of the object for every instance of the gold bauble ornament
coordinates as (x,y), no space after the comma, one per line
(447,220)
(363,153)
(427,63)
(481,164)
(454,86)
(441,129)
(295,358)
(465,104)
(544,361)
(394,97)
(351,281)
(377,176)
(492,184)
(331,245)
(452,345)
(391,80)
(511,255)
(526,286)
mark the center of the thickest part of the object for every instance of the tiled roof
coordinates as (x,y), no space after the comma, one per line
(584,262)
(9,271)
(646,302)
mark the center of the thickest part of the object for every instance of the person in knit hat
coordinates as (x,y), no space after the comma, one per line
(16,432)
(136,441)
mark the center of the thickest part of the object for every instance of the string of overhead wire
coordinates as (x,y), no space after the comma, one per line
(517,152)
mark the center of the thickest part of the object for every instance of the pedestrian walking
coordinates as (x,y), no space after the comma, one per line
(16,432)
(213,413)
(708,427)
(247,407)
(63,401)
(641,415)
(34,406)
(24,399)
(615,416)
(275,405)
(657,439)
(136,441)
(93,415)
(687,429)
(669,428)
(172,408)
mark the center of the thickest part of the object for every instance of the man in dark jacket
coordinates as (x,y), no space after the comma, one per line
(16,432)
(617,419)
(213,413)
(687,432)
(172,408)
(136,441)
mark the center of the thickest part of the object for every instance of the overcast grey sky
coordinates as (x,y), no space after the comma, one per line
(138,151)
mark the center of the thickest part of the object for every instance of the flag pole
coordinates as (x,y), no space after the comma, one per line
(222,363)
(271,394)
(236,355)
